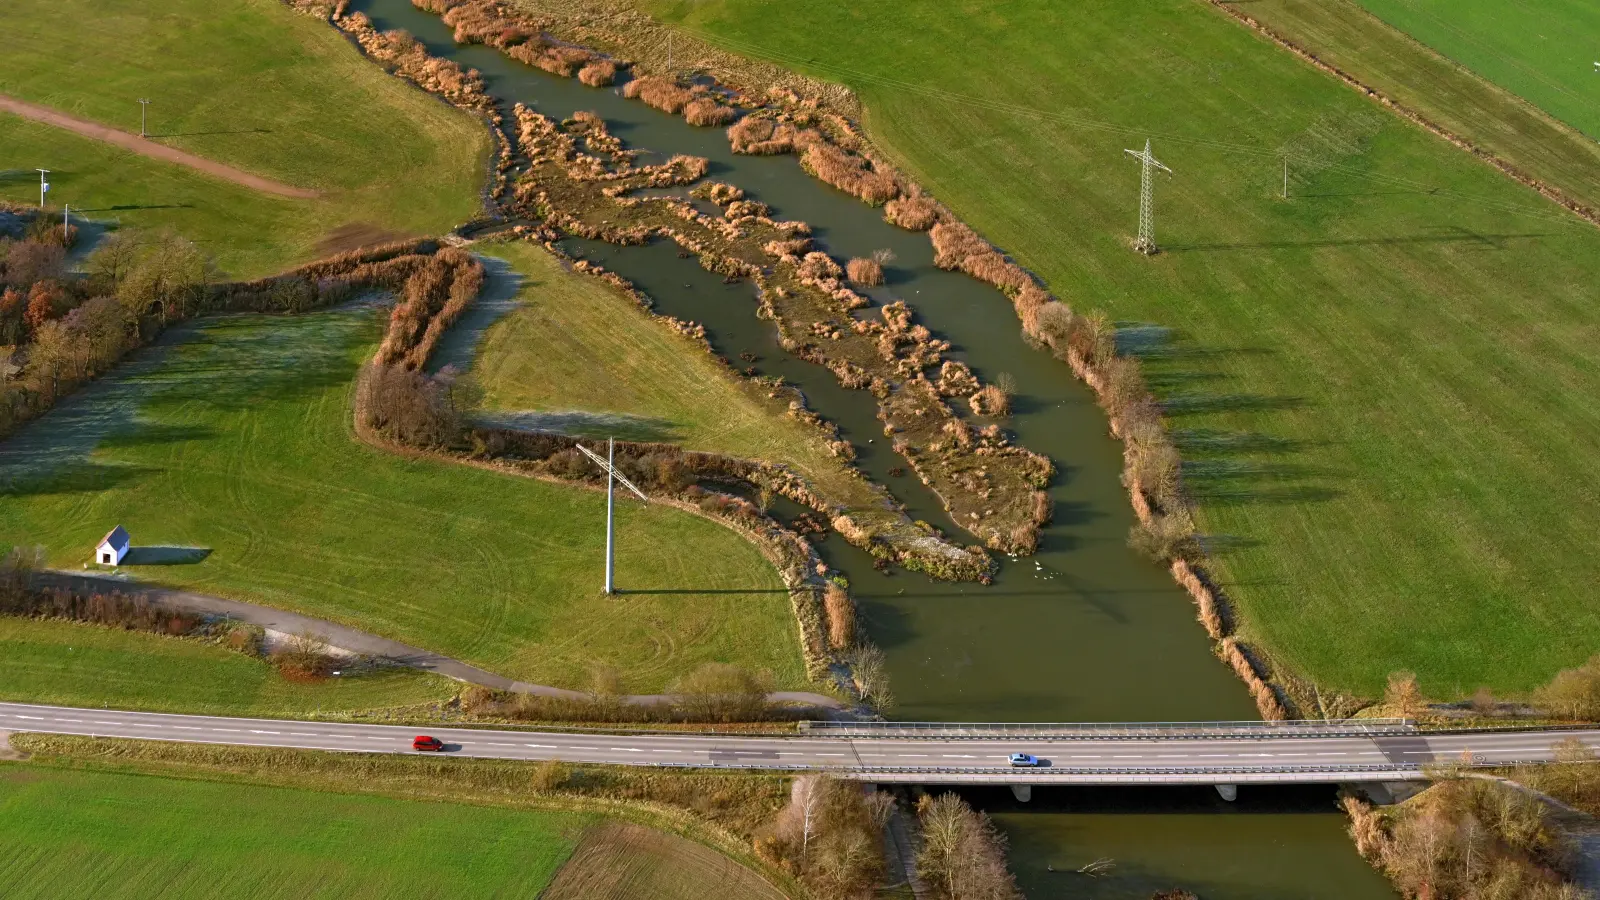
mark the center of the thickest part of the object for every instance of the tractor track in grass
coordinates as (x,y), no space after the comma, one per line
(147,147)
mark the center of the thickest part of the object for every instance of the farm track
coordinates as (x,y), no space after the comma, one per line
(147,147)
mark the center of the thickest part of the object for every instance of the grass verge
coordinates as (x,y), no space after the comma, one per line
(1382,384)
(72,664)
(721,810)
(234,435)
(244,82)
(66,833)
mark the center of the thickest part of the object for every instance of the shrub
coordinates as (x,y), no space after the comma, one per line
(849,173)
(1403,695)
(1573,693)
(406,406)
(830,836)
(720,692)
(865,272)
(991,401)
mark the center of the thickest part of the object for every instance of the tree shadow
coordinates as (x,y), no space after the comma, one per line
(1454,235)
(83,478)
(173,134)
(668,592)
(165,556)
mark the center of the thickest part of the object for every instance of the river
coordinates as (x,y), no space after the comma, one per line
(1085,630)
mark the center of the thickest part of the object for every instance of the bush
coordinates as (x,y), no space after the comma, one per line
(830,836)
(407,407)
(706,111)
(598,73)
(841,612)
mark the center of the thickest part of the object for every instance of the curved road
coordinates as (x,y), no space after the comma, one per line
(936,759)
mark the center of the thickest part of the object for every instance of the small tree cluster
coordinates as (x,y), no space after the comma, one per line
(830,837)
(1466,839)
(1573,693)
(963,855)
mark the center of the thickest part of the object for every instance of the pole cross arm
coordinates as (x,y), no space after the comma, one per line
(607,467)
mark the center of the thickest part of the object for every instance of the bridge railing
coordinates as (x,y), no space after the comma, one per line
(1111,730)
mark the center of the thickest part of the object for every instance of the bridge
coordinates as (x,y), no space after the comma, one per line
(1223,754)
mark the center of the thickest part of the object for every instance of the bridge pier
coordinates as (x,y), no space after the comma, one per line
(1229,792)
(1023,792)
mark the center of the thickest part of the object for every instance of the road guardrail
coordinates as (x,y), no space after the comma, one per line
(1112,730)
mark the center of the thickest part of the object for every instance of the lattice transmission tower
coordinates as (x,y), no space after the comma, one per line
(1146,242)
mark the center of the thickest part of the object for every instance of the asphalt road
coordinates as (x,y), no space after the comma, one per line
(926,760)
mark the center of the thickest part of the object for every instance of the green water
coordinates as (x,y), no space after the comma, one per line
(1084,630)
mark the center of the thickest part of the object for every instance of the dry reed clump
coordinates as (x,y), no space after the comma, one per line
(764,136)
(958,247)
(865,272)
(913,213)
(841,616)
(1209,610)
(990,401)
(852,174)
(706,112)
(662,93)
(598,73)
(1267,701)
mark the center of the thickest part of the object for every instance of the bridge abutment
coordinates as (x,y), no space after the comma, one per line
(1229,792)
(1023,792)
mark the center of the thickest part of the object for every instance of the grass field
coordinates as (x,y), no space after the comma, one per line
(1542,52)
(70,664)
(1386,385)
(234,435)
(82,834)
(1344,34)
(245,82)
(572,344)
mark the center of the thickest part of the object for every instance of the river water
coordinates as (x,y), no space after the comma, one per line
(1085,630)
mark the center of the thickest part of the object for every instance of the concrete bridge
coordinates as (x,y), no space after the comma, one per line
(1223,754)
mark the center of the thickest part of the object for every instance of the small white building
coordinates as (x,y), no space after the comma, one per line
(113,547)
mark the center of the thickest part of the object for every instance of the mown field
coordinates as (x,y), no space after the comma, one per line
(70,833)
(1542,52)
(72,664)
(234,435)
(1385,385)
(617,861)
(575,348)
(245,82)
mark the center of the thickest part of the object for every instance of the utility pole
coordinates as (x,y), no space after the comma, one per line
(144,111)
(43,185)
(612,477)
(65,221)
(1146,242)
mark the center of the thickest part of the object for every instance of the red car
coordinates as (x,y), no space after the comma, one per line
(423,742)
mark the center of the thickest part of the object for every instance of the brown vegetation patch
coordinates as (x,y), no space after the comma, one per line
(662,93)
(707,112)
(865,272)
(621,861)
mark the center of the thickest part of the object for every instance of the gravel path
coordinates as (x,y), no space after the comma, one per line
(147,147)
(350,639)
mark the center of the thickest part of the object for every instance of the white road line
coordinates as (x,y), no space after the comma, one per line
(253,731)
(34,718)
(593,749)
(541,746)
(619,749)
(187,728)
(300,734)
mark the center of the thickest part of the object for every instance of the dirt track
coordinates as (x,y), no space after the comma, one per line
(146,147)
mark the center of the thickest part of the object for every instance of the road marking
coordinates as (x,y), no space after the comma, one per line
(104,722)
(35,718)
(595,749)
(187,728)
(235,730)
(946,756)
(616,749)
(911,754)
(253,731)
(499,745)
(302,734)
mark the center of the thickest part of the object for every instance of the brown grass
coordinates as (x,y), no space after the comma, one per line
(849,173)
(914,213)
(706,111)
(598,73)
(865,272)
(841,616)
(622,861)
(662,93)
(991,401)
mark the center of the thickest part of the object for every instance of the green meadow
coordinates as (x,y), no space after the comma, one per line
(1385,385)
(233,434)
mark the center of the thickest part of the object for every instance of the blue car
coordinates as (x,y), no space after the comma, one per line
(1024,759)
